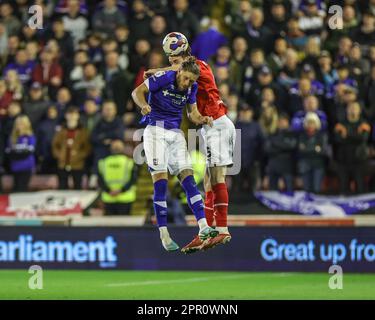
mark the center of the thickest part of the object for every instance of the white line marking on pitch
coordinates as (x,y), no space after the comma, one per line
(159,282)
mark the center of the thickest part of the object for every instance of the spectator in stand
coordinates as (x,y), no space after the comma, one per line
(311,19)
(117,180)
(238,62)
(251,151)
(139,23)
(6,97)
(276,59)
(122,38)
(264,80)
(209,42)
(48,73)
(74,21)
(14,44)
(140,57)
(156,60)
(14,84)
(3,41)
(311,53)
(23,66)
(344,45)
(63,100)
(351,152)
(28,33)
(238,16)
(277,21)
(183,20)
(32,50)
(106,20)
(312,150)
(90,79)
(36,105)
(158,31)
(45,132)
(369,95)
(280,148)
(364,34)
(21,149)
(326,73)
(62,7)
(295,37)
(109,128)
(268,119)
(62,36)
(118,85)
(308,72)
(257,61)
(298,93)
(257,34)
(94,48)
(310,104)
(75,73)
(288,74)
(8,19)
(14,110)
(110,45)
(91,115)
(221,59)
(71,146)
(359,67)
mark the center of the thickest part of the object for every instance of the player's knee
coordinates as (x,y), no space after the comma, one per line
(185,173)
(159,176)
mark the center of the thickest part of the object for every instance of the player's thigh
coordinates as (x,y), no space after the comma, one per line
(156,148)
(219,143)
(217,174)
(178,157)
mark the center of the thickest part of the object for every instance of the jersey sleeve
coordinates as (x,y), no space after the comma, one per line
(193,95)
(157,81)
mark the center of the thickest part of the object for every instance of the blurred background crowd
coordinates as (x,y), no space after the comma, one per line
(298,80)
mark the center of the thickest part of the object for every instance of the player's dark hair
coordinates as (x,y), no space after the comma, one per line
(190,65)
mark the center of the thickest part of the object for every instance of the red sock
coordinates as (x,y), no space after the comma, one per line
(209,208)
(221,204)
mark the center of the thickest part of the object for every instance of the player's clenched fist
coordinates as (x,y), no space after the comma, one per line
(146,109)
(207,120)
(148,73)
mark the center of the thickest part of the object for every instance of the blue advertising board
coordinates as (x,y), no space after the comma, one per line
(138,248)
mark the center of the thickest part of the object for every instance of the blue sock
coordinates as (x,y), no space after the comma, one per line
(160,202)
(194,197)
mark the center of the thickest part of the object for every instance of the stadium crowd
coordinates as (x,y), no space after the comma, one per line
(298,81)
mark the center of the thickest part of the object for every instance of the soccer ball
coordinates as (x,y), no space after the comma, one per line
(175,43)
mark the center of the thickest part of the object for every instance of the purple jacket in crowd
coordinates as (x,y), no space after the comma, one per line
(22,154)
(207,43)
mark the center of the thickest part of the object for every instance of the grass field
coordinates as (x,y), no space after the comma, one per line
(183,285)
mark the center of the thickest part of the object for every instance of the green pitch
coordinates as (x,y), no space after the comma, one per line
(183,285)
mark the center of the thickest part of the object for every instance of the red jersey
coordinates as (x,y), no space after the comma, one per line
(208,98)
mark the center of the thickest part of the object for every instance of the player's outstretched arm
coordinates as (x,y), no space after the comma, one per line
(150,72)
(139,97)
(195,116)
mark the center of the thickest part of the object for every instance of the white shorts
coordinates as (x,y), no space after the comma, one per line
(165,149)
(219,142)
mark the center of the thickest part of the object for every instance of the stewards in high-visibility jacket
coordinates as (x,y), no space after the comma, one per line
(117,179)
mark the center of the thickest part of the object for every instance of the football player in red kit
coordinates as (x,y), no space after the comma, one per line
(219,146)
